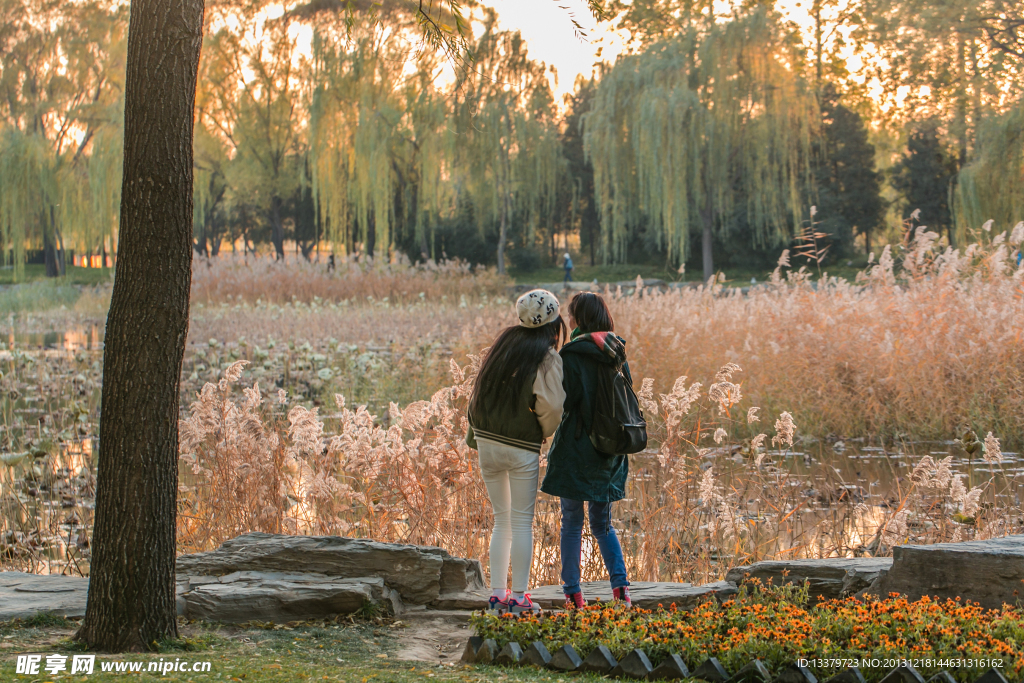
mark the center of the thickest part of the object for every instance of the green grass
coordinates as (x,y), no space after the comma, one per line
(74,275)
(353,653)
(40,295)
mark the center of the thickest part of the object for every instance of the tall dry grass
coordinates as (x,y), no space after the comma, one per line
(233,277)
(907,356)
(927,340)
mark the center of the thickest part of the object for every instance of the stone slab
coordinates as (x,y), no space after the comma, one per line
(645,594)
(419,573)
(281,601)
(829,578)
(988,572)
(23,596)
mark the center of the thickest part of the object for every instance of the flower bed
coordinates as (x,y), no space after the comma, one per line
(777,626)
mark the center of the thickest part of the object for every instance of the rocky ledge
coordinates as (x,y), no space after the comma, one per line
(279,578)
(273,577)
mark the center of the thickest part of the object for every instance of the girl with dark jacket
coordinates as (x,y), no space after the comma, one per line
(577,472)
(516,405)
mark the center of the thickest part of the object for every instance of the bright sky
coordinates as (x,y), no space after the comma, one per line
(550,36)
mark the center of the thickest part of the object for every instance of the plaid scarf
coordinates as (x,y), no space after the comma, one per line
(608,342)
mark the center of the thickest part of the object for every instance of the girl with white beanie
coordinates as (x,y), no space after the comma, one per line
(516,405)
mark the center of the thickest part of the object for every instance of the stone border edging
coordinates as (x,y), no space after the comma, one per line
(637,665)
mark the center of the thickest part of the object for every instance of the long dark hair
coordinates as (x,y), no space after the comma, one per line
(514,356)
(591,313)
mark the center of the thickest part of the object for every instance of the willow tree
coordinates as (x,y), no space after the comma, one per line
(251,99)
(60,105)
(956,61)
(508,143)
(360,130)
(991,186)
(715,119)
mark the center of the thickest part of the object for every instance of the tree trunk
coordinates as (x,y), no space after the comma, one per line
(62,266)
(276,227)
(502,236)
(50,254)
(707,238)
(867,242)
(371,235)
(131,588)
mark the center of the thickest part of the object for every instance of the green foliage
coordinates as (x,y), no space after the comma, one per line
(848,188)
(924,176)
(61,68)
(682,133)
(990,186)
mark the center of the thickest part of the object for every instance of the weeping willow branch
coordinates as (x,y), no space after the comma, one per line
(682,133)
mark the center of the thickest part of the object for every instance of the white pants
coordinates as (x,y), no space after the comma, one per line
(511,477)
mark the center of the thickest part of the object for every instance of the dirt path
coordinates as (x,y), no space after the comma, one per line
(437,637)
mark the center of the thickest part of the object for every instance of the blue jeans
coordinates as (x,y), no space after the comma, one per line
(572,543)
(568,274)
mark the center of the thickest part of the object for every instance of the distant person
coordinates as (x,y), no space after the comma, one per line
(567,264)
(330,263)
(515,406)
(577,472)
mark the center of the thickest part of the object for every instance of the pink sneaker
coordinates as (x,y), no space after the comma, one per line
(623,595)
(575,601)
(498,605)
(524,605)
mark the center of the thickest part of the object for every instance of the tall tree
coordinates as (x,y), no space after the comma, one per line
(251,100)
(952,61)
(131,588)
(60,91)
(991,186)
(682,132)
(577,209)
(924,177)
(508,136)
(848,187)
(131,595)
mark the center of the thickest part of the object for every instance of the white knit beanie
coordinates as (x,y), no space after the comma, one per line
(536,308)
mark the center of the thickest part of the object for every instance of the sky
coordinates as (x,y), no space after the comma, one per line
(547,28)
(551,38)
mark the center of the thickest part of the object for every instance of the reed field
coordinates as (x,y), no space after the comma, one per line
(797,419)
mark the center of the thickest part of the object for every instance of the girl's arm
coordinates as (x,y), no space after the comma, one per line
(547,387)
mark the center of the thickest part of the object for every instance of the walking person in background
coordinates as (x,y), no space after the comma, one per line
(567,264)
(577,472)
(515,406)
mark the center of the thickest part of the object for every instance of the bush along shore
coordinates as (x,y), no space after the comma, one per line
(767,634)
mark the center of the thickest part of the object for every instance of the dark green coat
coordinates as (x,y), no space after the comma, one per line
(576,470)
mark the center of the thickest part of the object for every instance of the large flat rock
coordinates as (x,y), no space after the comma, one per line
(829,578)
(23,596)
(419,573)
(988,572)
(254,597)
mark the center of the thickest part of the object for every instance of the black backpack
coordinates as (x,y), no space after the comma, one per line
(617,426)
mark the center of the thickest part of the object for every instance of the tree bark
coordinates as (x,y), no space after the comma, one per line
(131,590)
(49,254)
(502,235)
(276,227)
(706,244)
